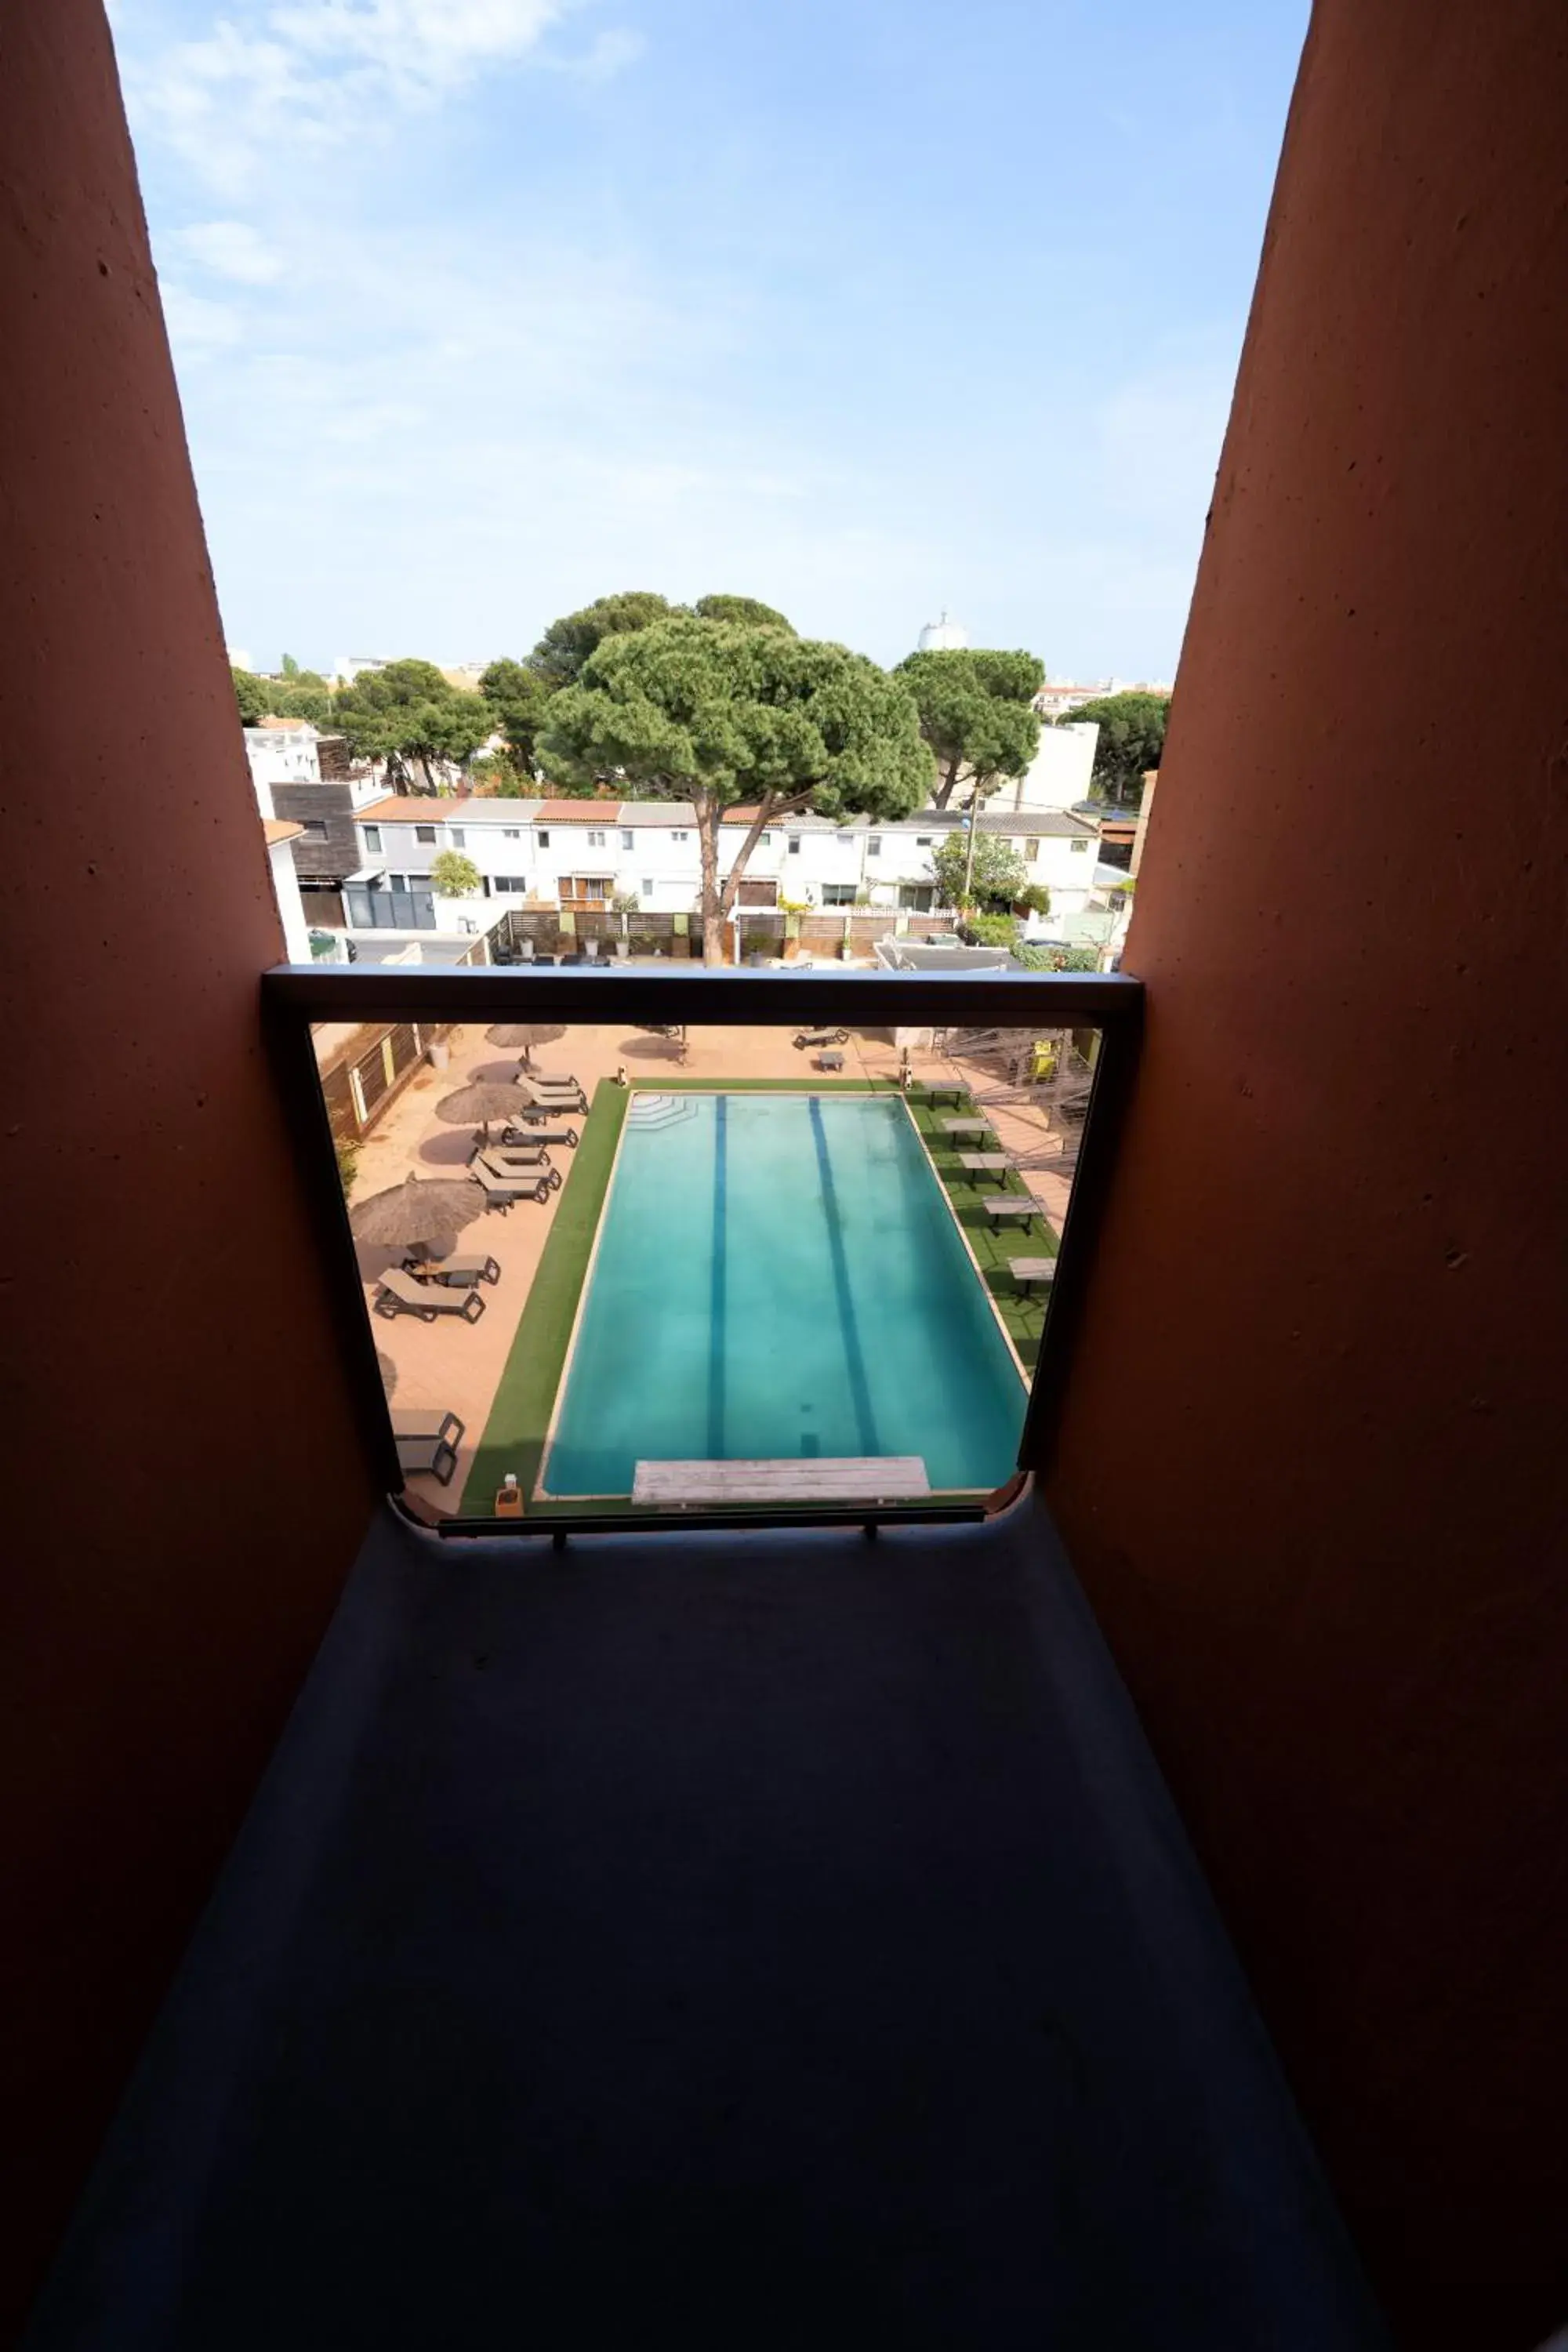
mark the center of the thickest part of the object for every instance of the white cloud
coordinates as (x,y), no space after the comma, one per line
(306,74)
(229,248)
(610,53)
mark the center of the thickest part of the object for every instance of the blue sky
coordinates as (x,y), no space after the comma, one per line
(483,307)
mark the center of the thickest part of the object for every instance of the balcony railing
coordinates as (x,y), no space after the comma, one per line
(775,1287)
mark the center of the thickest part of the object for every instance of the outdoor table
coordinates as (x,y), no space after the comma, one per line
(939,1089)
(1022,1205)
(976,1164)
(831,1061)
(1026,1272)
(966,1126)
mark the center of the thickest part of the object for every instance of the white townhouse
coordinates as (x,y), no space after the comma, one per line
(577,855)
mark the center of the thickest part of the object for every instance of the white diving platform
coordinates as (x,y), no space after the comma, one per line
(801,1478)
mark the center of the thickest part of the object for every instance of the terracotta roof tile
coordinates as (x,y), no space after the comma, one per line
(411,808)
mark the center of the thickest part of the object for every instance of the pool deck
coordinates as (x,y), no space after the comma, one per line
(441,1369)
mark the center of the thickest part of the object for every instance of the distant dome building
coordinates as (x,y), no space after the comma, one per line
(943,636)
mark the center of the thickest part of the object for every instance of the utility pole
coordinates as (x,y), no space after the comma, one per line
(969,861)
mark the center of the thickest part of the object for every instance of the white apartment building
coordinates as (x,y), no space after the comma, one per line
(1058,696)
(1059,774)
(585,855)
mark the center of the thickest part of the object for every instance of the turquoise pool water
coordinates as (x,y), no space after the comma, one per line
(779,1275)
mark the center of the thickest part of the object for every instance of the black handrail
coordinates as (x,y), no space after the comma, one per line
(296,996)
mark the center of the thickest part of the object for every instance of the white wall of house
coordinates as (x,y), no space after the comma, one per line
(283,755)
(286,891)
(523,857)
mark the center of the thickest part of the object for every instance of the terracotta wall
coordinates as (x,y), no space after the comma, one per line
(1313,1464)
(183,1488)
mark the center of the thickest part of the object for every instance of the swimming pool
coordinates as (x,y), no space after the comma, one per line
(778,1276)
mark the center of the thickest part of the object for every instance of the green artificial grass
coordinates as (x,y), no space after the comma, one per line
(992,1245)
(520,1417)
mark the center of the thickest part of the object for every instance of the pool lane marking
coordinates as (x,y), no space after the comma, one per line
(718,1285)
(860,1388)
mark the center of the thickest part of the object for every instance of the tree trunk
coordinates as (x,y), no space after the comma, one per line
(770,810)
(708,816)
(945,788)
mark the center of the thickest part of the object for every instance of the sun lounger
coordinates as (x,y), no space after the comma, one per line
(1030,1273)
(553,1097)
(822,1037)
(553,1135)
(458,1273)
(1007,1205)
(399,1294)
(976,1164)
(427,1443)
(528,1152)
(524,1160)
(502,1186)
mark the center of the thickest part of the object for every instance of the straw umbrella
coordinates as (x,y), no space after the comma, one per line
(477,1105)
(526,1034)
(420,1214)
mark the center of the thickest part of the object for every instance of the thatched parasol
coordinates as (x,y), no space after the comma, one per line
(422,1213)
(526,1034)
(477,1105)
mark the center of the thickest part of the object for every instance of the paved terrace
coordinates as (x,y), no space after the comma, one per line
(449,1366)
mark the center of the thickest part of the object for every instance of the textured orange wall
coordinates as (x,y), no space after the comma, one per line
(1313,1465)
(183,1486)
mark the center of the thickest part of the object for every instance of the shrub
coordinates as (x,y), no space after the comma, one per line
(992,930)
(1054,959)
(348,1165)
